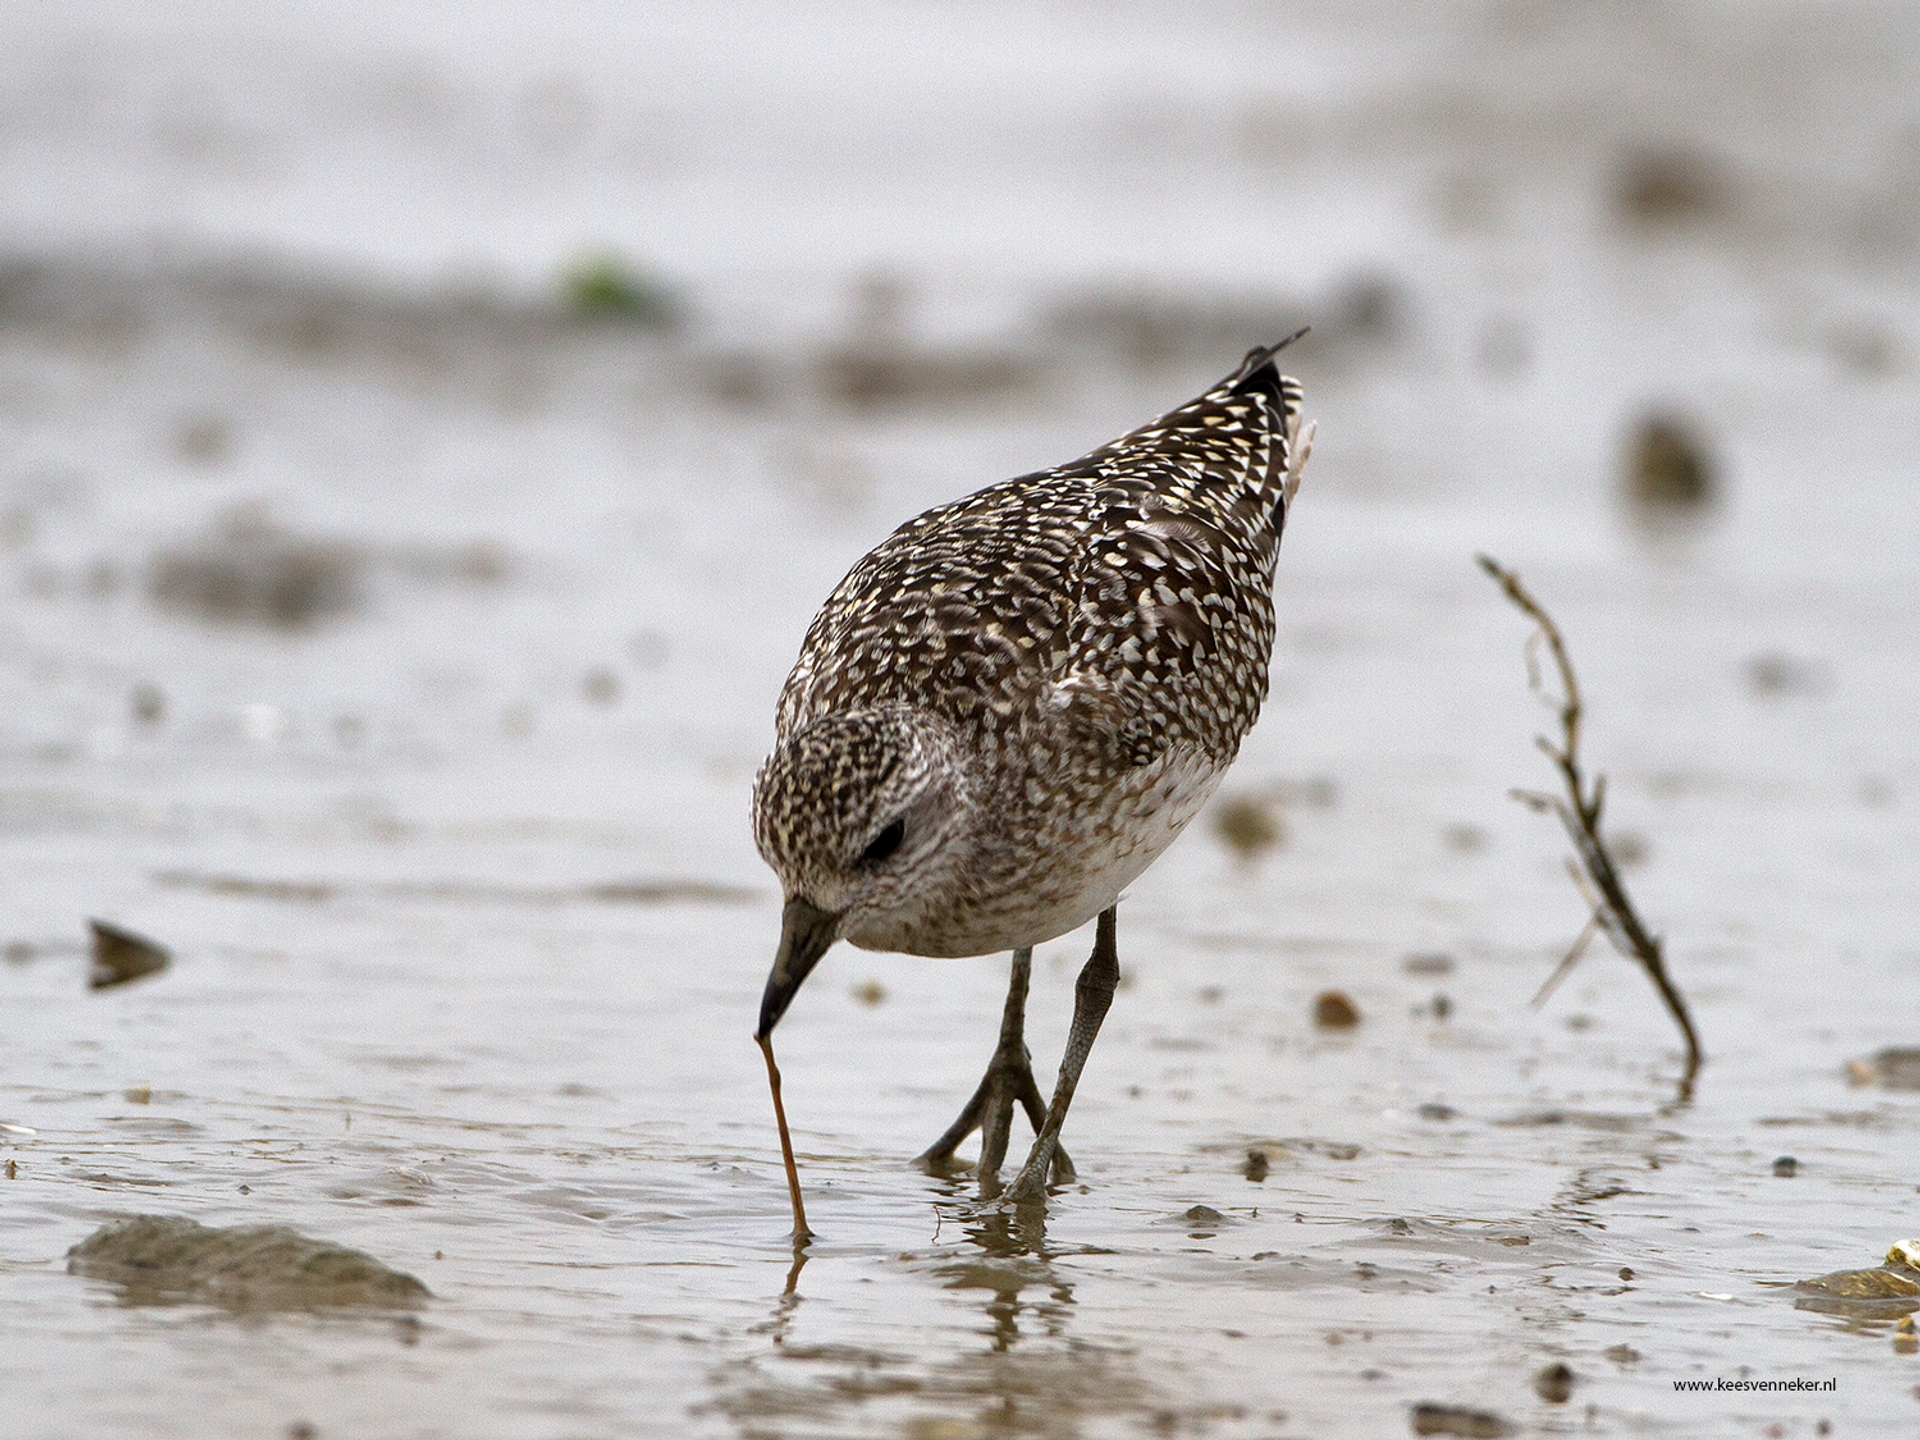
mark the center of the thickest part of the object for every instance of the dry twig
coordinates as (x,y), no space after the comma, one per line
(1612,913)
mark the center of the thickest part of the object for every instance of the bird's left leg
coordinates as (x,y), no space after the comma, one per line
(1009,1078)
(1092,994)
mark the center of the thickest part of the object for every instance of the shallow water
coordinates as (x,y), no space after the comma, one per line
(467,929)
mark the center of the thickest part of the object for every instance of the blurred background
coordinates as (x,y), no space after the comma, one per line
(323,325)
(426,430)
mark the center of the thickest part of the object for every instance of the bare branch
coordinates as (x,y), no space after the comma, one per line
(1565,967)
(1611,912)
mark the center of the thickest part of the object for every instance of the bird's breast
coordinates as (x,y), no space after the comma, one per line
(1056,854)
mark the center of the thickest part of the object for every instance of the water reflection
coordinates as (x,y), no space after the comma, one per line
(1031,1377)
(1014,1258)
(777,1326)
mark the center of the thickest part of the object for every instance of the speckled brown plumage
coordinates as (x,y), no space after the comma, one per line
(1036,686)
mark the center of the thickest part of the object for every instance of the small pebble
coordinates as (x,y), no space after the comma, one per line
(1786,1167)
(1256,1167)
(870,992)
(1554,1383)
(1205,1220)
(600,686)
(13,1170)
(148,704)
(1772,673)
(1442,1007)
(1626,1272)
(1248,824)
(1332,1010)
(1660,186)
(1667,466)
(139,1094)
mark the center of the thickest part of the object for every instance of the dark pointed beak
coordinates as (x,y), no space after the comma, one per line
(805,933)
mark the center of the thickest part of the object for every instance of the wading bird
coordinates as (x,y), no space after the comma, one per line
(1011,706)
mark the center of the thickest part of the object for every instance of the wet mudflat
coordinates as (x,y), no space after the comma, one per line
(398,659)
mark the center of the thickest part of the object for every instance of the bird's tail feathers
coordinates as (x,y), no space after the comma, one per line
(1259,374)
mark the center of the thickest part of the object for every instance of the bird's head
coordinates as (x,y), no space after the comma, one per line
(864,818)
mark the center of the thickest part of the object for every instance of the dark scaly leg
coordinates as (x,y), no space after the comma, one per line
(1092,994)
(1009,1078)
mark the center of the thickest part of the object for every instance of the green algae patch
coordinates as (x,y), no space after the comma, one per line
(167,1260)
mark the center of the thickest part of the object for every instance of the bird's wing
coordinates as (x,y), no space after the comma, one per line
(962,611)
(1173,625)
(1126,592)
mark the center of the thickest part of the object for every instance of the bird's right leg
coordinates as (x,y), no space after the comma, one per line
(1009,1078)
(1092,994)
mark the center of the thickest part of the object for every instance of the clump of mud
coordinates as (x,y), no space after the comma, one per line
(1772,674)
(1896,1068)
(1888,1291)
(1554,1383)
(1335,1010)
(167,1260)
(120,956)
(1668,467)
(1366,315)
(1657,187)
(879,365)
(247,569)
(1249,824)
(252,572)
(1431,1419)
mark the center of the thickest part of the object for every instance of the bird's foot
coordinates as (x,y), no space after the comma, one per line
(1008,1082)
(1026,1188)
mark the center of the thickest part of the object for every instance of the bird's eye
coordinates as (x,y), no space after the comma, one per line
(885,843)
